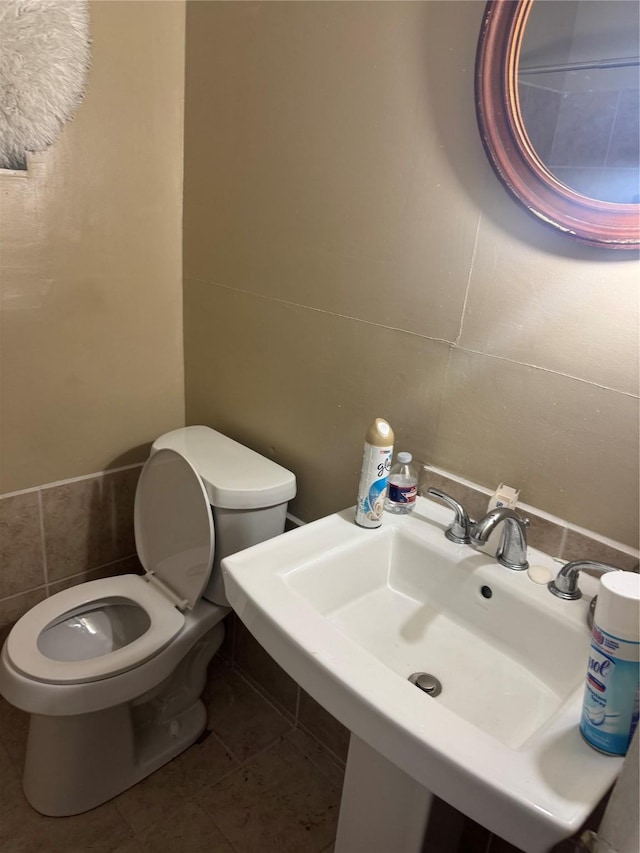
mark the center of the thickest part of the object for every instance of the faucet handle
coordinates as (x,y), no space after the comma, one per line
(565,584)
(458,531)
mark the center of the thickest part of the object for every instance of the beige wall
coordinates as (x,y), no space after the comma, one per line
(91,347)
(349,253)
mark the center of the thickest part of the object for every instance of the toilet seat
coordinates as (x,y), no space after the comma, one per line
(22,644)
(175,544)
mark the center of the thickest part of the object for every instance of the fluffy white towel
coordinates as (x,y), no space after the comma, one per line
(44,59)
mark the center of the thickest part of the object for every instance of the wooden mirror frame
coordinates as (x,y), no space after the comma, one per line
(505,139)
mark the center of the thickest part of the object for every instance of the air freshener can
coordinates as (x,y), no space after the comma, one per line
(610,706)
(374,476)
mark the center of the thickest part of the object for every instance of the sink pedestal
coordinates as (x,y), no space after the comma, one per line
(382,808)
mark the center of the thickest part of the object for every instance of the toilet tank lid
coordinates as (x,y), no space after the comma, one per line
(234,476)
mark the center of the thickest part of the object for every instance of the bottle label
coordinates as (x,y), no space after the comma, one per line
(403,494)
(376,465)
(610,707)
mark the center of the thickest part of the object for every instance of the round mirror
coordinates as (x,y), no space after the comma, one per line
(558,101)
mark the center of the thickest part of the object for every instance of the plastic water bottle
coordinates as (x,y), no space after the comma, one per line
(403,486)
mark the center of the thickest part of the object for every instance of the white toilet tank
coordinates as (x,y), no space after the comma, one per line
(248,493)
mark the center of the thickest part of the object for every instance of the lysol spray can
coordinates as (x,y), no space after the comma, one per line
(610,707)
(376,464)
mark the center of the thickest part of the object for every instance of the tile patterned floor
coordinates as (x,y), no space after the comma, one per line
(255,784)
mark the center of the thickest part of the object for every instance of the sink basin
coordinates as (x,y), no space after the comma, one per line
(352,613)
(455,620)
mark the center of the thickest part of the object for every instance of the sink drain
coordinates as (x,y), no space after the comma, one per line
(426,682)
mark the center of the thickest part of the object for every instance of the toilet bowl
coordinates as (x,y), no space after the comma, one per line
(112,670)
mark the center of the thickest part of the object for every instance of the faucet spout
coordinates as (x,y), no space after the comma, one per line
(512,552)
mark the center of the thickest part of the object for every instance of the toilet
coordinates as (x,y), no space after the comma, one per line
(111,671)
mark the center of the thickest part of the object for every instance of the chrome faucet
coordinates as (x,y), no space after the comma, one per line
(458,530)
(512,552)
(566,583)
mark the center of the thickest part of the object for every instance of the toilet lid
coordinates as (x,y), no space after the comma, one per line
(174,525)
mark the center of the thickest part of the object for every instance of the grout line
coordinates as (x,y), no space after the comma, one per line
(540,513)
(324,311)
(79,479)
(452,344)
(298,702)
(267,698)
(242,763)
(333,757)
(468,285)
(550,370)
(22,592)
(43,543)
(84,572)
(214,734)
(287,716)
(232,847)
(233,621)
(436,432)
(326,752)
(329,756)
(95,475)
(563,542)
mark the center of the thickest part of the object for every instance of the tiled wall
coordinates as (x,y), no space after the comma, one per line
(64,533)
(247,655)
(547,533)
(372,265)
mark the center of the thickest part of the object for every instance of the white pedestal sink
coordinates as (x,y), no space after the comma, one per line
(352,613)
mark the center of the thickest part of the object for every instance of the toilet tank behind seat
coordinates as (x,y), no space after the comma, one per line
(237,529)
(248,493)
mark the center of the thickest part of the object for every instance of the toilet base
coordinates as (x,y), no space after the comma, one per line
(58,742)
(75,763)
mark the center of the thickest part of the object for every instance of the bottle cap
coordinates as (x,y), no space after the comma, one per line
(380,433)
(404,458)
(618,607)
